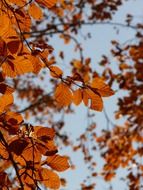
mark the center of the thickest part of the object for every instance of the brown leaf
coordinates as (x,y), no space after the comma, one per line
(35,11)
(49,178)
(58,163)
(55,71)
(77,96)
(47,3)
(63,95)
(102,88)
(93,100)
(45,133)
(13,46)
(5,101)
(17,146)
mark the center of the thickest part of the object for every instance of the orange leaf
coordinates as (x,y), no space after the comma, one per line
(13,118)
(24,20)
(55,71)
(77,96)
(103,89)
(58,163)
(63,95)
(5,101)
(5,89)
(4,24)
(45,133)
(17,66)
(47,149)
(49,178)
(35,11)
(3,152)
(36,63)
(29,154)
(47,3)
(96,102)
(17,2)
(109,176)
(26,177)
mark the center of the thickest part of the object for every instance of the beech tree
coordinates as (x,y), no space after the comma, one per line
(35,89)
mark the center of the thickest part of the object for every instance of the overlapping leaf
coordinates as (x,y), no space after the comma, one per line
(47,3)
(58,163)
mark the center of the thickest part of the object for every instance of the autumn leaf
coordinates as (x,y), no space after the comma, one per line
(63,95)
(22,20)
(45,133)
(58,163)
(36,63)
(13,46)
(46,148)
(18,145)
(93,100)
(5,101)
(77,96)
(5,89)
(35,11)
(99,86)
(109,176)
(16,66)
(49,178)
(26,178)
(4,179)
(17,2)
(13,118)
(3,49)
(30,153)
(55,71)
(47,3)
(3,152)
(4,24)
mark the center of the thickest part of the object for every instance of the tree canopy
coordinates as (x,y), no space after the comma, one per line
(36,93)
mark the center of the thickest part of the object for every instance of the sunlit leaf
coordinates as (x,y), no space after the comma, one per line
(17,66)
(103,89)
(93,100)
(45,133)
(49,178)
(5,101)
(58,163)
(35,11)
(55,71)
(47,3)
(77,96)
(63,95)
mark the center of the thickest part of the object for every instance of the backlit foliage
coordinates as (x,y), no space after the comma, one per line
(33,86)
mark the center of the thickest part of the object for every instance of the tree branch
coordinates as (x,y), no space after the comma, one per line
(12,160)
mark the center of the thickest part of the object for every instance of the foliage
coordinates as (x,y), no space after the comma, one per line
(28,64)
